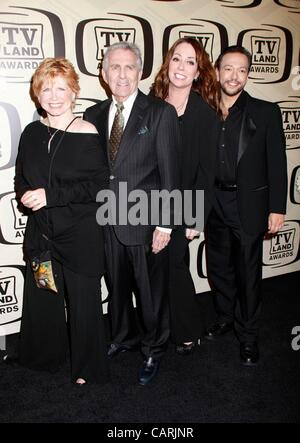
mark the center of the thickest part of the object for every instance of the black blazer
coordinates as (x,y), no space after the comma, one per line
(261,168)
(199,130)
(147,159)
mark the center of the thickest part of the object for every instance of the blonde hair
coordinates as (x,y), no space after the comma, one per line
(49,69)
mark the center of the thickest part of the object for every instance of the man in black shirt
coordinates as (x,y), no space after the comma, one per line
(248,198)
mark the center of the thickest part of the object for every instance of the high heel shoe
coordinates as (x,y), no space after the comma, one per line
(185,349)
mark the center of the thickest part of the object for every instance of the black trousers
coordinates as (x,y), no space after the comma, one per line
(185,313)
(136,269)
(45,334)
(234,267)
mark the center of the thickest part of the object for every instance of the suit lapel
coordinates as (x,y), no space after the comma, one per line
(248,129)
(104,120)
(132,127)
(102,124)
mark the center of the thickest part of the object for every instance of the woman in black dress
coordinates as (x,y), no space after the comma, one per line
(187,80)
(60,168)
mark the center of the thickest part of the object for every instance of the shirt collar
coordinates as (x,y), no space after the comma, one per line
(128,103)
(240,103)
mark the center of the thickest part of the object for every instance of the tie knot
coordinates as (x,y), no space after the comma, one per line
(120,107)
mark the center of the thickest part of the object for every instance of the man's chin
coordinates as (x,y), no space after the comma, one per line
(232,92)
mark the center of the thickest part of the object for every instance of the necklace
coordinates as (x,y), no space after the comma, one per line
(52,135)
(179,107)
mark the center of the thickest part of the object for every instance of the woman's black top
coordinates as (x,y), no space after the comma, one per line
(79,171)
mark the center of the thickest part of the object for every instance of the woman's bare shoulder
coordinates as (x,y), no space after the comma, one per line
(86,127)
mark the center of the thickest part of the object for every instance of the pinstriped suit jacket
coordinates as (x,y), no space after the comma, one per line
(148,157)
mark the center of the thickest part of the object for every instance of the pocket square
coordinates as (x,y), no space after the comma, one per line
(143,130)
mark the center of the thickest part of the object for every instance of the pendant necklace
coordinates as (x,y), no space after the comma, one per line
(181,106)
(51,138)
(51,135)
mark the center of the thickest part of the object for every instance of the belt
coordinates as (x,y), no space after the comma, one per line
(225,186)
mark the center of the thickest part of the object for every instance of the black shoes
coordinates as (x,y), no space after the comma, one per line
(249,354)
(10,361)
(115,349)
(218,330)
(148,371)
(185,349)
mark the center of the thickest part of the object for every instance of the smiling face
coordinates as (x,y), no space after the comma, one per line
(123,73)
(56,97)
(183,67)
(233,73)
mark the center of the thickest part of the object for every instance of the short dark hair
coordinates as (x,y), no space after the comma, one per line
(231,49)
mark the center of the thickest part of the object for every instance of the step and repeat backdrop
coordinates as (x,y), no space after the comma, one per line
(81,31)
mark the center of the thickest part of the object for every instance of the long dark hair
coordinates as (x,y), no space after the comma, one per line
(206,85)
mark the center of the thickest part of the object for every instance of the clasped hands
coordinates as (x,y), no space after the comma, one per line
(34,199)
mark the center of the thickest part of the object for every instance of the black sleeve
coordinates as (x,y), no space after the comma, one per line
(20,184)
(277,165)
(84,190)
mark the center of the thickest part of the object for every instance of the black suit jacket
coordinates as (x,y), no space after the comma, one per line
(199,130)
(261,168)
(147,158)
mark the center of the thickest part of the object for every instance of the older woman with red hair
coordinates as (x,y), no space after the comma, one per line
(60,169)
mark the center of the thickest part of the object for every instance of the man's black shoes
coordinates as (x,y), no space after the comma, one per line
(249,354)
(148,371)
(114,349)
(217,330)
(10,361)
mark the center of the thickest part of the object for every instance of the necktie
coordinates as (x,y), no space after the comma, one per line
(116,132)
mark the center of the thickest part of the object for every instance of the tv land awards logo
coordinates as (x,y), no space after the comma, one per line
(197,264)
(271,47)
(13,222)
(20,43)
(292,5)
(26,38)
(11,294)
(82,103)
(212,35)
(283,248)
(239,3)
(295,186)
(95,35)
(205,38)
(9,135)
(290,110)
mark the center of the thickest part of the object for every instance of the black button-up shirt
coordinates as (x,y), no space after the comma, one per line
(228,143)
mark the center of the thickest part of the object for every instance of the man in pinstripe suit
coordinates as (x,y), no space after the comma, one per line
(146,159)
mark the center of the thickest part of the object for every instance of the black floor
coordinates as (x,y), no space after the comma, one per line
(210,386)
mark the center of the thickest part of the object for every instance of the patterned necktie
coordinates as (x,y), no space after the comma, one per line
(116,132)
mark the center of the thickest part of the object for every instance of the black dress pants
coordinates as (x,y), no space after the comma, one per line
(234,267)
(44,332)
(136,269)
(185,312)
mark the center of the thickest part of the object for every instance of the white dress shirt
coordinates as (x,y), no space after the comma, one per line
(128,104)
